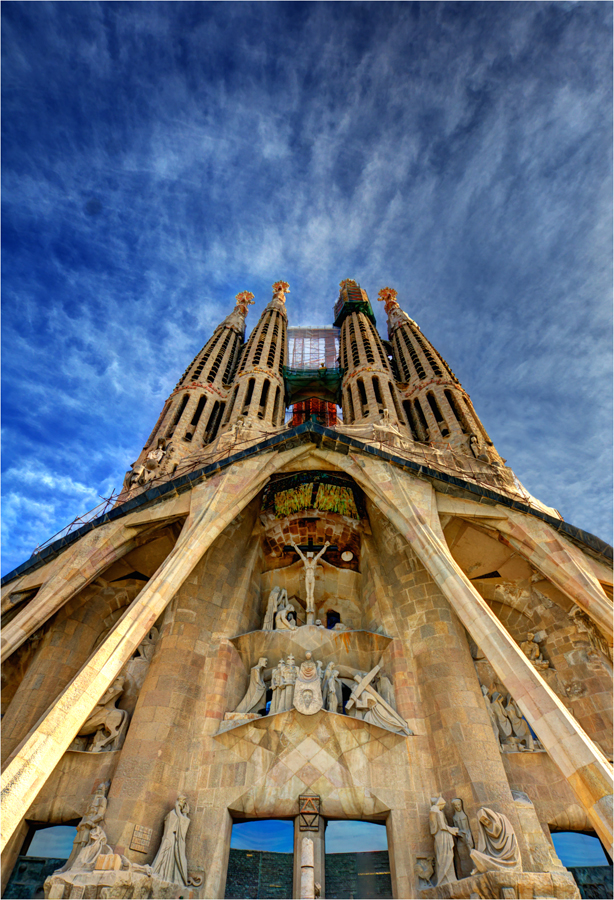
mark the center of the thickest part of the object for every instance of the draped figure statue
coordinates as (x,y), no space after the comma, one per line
(171,862)
(256,689)
(497,845)
(444,843)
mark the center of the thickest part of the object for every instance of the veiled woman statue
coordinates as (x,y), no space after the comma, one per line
(444,843)
(464,840)
(271,609)
(497,845)
(171,863)
(256,688)
(86,859)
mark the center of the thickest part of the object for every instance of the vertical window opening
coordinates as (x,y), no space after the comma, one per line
(411,421)
(378,393)
(414,356)
(199,411)
(178,415)
(421,418)
(432,401)
(248,395)
(276,406)
(263,399)
(458,413)
(231,405)
(350,404)
(401,361)
(363,397)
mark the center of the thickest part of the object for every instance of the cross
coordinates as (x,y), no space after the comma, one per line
(309,547)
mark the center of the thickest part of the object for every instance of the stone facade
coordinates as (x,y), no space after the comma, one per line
(175,667)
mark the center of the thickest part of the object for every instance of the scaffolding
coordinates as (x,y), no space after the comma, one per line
(313,348)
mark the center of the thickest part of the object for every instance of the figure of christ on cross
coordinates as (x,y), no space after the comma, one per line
(311,563)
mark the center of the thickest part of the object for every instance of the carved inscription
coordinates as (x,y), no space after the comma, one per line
(141,838)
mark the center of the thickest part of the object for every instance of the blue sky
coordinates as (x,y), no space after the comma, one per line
(158,158)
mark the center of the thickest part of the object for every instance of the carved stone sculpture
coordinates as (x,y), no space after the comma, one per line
(146,648)
(255,690)
(369,706)
(424,868)
(271,609)
(311,563)
(93,817)
(170,863)
(497,845)
(530,648)
(491,714)
(519,724)
(97,846)
(585,624)
(464,838)
(277,688)
(444,843)
(503,723)
(332,700)
(106,722)
(285,609)
(308,689)
(289,671)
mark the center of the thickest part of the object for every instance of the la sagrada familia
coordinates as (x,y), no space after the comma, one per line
(353,613)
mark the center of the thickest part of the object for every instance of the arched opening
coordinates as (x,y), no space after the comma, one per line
(195,418)
(350,405)
(458,413)
(441,422)
(248,396)
(177,416)
(231,405)
(261,859)
(276,406)
(421,418)
(378,394)
(411,421)
(264,395)
(363,397)
(332,618)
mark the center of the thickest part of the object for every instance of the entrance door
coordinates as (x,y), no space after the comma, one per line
(261,860)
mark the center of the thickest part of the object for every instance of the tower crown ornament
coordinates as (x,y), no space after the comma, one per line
(280,289)
(244,299)
(388,296)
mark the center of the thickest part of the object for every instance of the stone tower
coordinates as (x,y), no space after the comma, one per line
(369,621)
(437,408)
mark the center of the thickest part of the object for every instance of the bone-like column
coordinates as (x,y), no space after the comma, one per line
(214,505)
(411,506)
(560,561)
(94,553)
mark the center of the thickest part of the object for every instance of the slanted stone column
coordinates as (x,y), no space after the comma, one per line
(411,506)
(214,505)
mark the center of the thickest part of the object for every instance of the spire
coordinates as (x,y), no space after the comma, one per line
(258,394)
(368,387)
(437,408)
(192,415)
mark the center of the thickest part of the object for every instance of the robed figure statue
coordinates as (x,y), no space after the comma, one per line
(171,863)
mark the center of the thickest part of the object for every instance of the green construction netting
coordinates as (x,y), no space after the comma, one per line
(303,384)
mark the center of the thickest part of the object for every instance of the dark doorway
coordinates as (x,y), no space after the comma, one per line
(45,849)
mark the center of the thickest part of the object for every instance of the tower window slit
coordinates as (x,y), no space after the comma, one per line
(421,417)
(414,356)
(432,401)
(378,394)
(395,402)
(401,358)
(248,395)
(458,413)
(365,341)
(263,399)
(212,424)
(231,405)
(178,415)
(434,365)
(198,411)
(276,406)
(384,359)
(232,360)
(350,404)
(363,397)
(218,360)
(353,344)
(411,420)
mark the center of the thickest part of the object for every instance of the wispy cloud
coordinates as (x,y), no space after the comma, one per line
(158,158)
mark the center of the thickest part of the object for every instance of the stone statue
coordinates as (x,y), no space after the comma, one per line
(283,622)
(146,648)
(93,817)
(503,723)
(530,648)
(519,724)
(585,624)
(97,845)
(364,698)
(289,671)
(497,844)
(464,838)
(271,609)
(255,690)
(311,563)
(332,700)
(491,714)
(106,722)
(307,689)
(444,843)
(171,863)
(277,688)
(385,689)
(425,869)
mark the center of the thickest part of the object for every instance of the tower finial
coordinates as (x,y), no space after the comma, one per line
(280,289)
(244,299)
(388,296)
